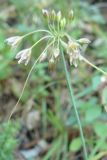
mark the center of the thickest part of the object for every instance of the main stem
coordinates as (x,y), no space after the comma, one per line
(72,101)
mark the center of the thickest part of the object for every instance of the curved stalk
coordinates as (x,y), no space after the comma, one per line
(99,69)
(40,41)
(72,101)
(36,31)
(28,79)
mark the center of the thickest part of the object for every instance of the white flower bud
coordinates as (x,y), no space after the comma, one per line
(71,15)
(59,16)
(53,15)
(14,41)
(51,63)
(63,23)
(45,13)
(84,41)
(56,52)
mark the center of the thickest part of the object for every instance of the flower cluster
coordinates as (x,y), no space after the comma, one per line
(25,54)
(56,21)
(56,35)
(56,24)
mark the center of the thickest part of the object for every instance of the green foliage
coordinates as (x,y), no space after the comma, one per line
(8,140)
(75,145)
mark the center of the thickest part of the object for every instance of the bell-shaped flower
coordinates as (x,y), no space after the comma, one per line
(24,56)
(14,41)
(56,52)
(74,52)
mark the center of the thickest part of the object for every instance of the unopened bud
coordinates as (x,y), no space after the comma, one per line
(53,15)
(84,41)
(59,16)
(56,52)
(63,23)
(51,63)
(45,13)
(71,15)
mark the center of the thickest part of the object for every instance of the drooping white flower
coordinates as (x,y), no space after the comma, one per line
(51,63)
(14,41)
(74,52)
(24,56)
(53,53)
(56,52)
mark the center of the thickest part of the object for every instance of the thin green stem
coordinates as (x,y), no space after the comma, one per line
(36,31)
(65,146)
(51,31)
(40,41)
(100,70)
(72,101)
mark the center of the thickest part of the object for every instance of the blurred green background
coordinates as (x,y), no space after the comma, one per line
(43,126)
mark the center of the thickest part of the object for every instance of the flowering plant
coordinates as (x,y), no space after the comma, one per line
(58,44)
